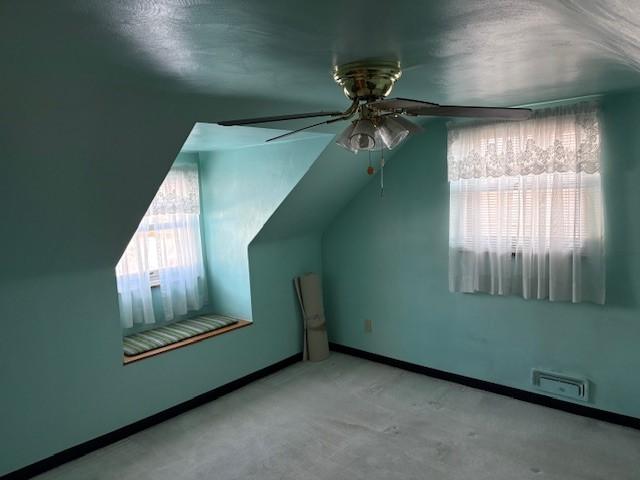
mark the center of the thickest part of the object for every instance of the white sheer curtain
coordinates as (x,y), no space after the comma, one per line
(526,215)
(133,282)
(166,247)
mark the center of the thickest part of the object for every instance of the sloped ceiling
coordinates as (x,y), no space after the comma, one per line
(206,137)
(331,182)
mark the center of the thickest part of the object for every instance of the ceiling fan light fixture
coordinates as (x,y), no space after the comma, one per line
(407,124)
(363,135)
(344,138)
(380,123)
(392,133)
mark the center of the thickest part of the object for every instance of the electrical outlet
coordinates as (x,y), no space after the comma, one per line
(368,326)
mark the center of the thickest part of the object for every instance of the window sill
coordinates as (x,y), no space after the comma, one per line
(183,343)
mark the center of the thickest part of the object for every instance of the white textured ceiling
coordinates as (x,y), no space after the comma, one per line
(497,52)
(276,56)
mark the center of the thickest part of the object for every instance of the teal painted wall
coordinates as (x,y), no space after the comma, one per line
(63,381)
(240,189)
(386,260)
(320,195)
(276,313)
(79,171)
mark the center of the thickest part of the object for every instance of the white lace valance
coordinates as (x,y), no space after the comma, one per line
(179,193)
(562,139)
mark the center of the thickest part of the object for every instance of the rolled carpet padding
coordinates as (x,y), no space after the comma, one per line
(166,335)
(315,343)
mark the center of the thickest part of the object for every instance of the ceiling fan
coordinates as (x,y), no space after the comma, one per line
(379,122)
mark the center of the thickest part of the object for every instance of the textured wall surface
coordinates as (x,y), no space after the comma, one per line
(241,188)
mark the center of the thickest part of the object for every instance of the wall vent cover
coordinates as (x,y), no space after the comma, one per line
(561,385)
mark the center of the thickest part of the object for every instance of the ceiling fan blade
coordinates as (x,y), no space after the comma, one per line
(277,118)
(399,104)
(305,128)
(473,112)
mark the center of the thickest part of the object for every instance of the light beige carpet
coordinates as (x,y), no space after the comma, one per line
(348,418)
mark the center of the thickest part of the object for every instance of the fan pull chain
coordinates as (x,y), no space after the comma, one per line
(370,169)
(381,173)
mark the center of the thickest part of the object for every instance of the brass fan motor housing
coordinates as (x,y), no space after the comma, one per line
(367,80)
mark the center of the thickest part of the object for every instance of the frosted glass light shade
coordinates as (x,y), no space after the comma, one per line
(392,132)
(407,124)
(363,136)
(344,138)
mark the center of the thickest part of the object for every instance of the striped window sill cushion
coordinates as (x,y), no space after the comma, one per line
(166,335)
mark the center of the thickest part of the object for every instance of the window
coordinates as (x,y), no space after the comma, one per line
(165,252)
(159,236)
(513,212)
(526,207)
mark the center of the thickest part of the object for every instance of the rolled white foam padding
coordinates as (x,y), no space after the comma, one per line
(316,343)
